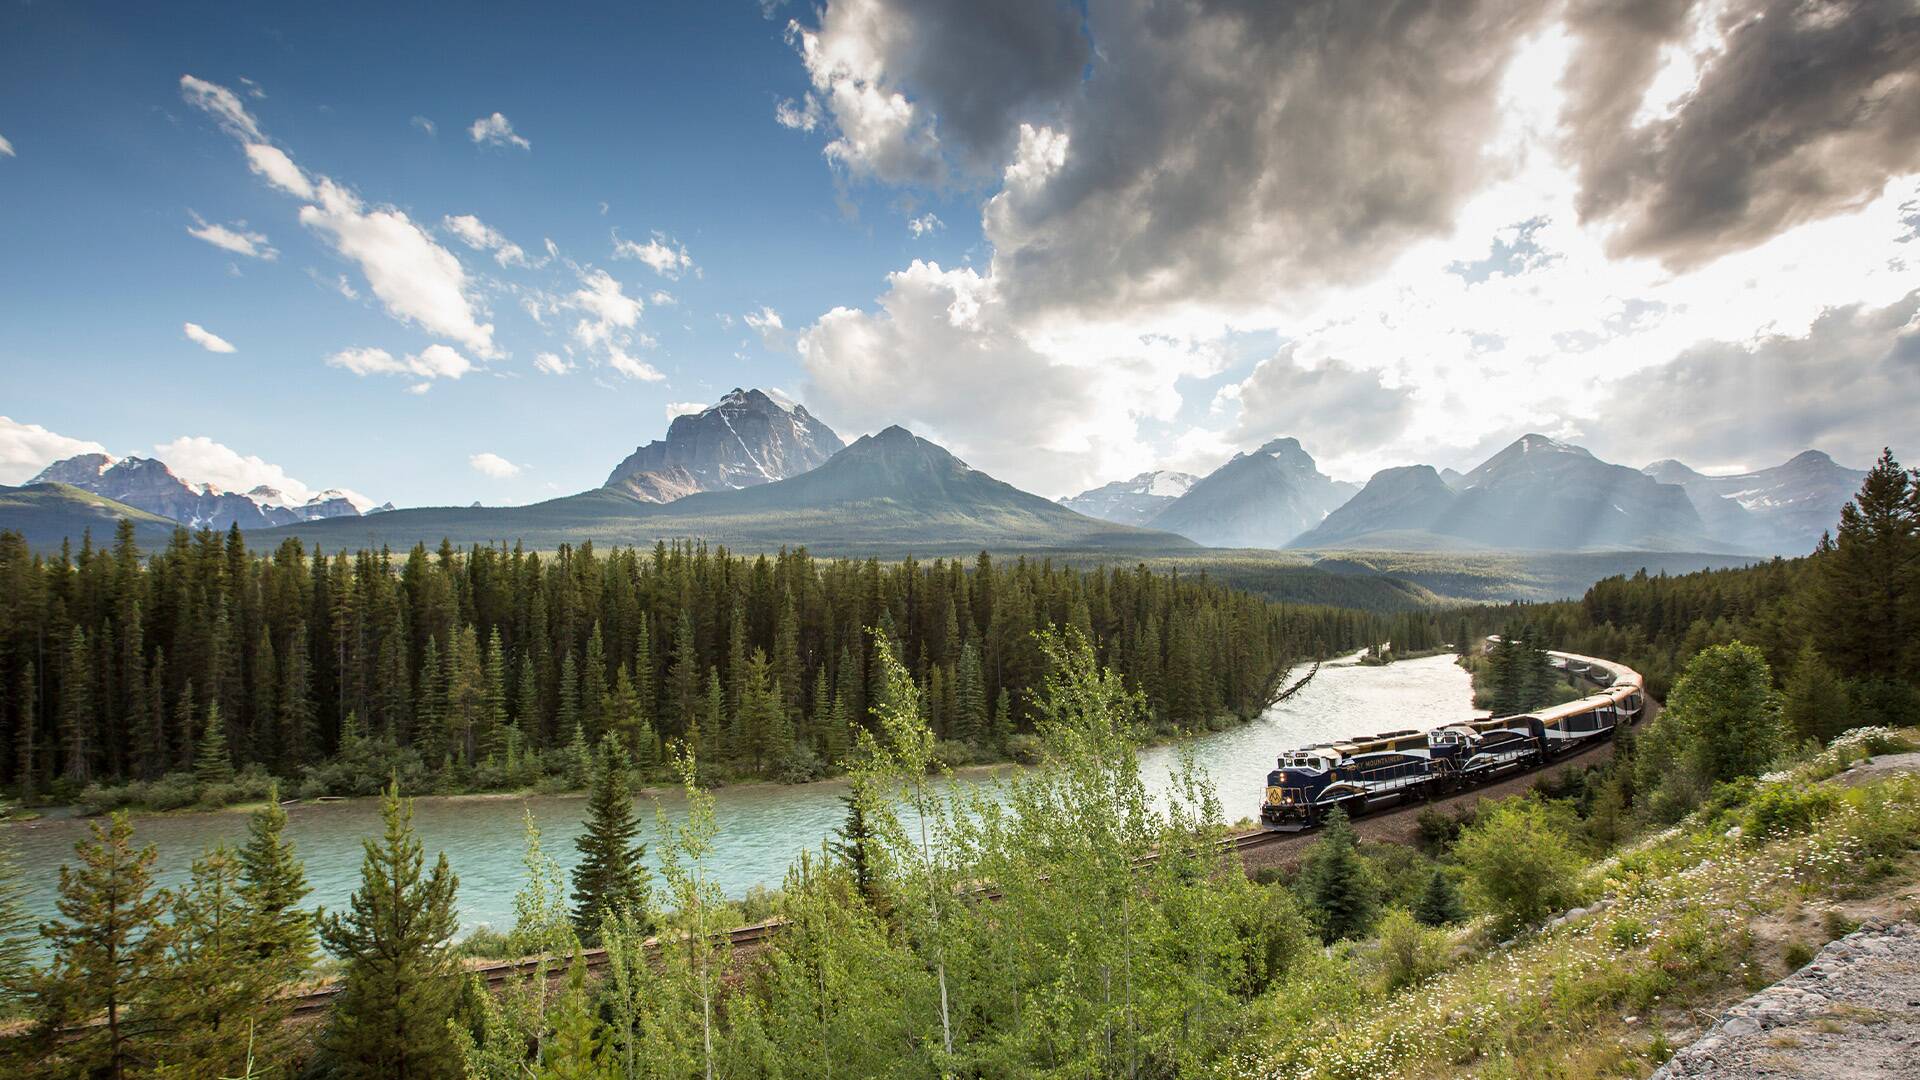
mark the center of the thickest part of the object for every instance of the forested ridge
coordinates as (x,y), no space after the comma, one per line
(490,668)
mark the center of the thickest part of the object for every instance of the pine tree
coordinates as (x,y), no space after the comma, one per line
(1439,902)
(612,875)
(683,679)
(853,844)
(26,763)
(212,764)
(109,953)
(526,709)
(1337,884)
(970,697)
(76,709)
(1814,704)
(567,716)
(185,723)
(400,981)
(593,687)
(715,726)
(493,697)
(1864,604)
(279,931)
(221,1003)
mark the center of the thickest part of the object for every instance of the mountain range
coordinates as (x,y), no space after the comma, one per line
(757,470)
(148,484)
(1784,508)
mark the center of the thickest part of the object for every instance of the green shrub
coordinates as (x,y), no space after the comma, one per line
(1779,810)
(1520,861)
(1409,953)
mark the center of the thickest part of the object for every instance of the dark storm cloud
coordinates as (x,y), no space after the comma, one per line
(1233,150)
(977,69)
(981,66)
(1851,386)
(1806,110)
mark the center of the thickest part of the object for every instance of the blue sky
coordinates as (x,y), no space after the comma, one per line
(1157,236)
(661,113)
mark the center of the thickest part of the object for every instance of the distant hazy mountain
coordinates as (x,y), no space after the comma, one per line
(148,484)
(1783,509)
(890,493)
(1135,501)
(1394,504)
(1536,494)
(1260,499)
(747,438)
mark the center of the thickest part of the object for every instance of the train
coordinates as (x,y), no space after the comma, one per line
(1358,775)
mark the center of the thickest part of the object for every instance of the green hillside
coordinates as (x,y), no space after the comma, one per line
(50,514)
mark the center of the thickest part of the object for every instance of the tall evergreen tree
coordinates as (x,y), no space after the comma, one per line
(76,709)
(1814,704)
(400,980)
(212,763)
(274,883)
(109,953)
(611,876)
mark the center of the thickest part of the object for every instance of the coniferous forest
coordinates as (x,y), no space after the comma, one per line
(206,667)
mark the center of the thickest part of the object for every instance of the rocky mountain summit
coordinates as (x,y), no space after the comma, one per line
(1262,498)
(149,484)
(747,438)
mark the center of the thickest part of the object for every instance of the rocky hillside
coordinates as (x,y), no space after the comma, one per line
(747,438)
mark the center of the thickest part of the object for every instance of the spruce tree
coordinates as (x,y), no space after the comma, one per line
(109,953)
(612,875)
(1439,902)
(212,764)
(279,931)
(76,710)
(400,980)
(970,697)
(221,1004)
(1814,704)
(1337,884)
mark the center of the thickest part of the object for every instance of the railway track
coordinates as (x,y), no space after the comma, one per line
(314,1000)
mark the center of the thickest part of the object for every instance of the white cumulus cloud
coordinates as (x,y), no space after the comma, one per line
(683,408)
(490,464)
(551,364)
(236,238)
(206,338)
(480,236)
(6,148)
(668,258)
(497,130)
(416,279)
(25,449)
(432,362)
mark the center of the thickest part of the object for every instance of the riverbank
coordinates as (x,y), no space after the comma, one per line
(250,790)
(764,827)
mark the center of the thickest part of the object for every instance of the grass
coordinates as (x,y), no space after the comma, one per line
(1681,936)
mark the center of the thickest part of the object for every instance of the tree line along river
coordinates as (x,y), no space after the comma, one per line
(763,828)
